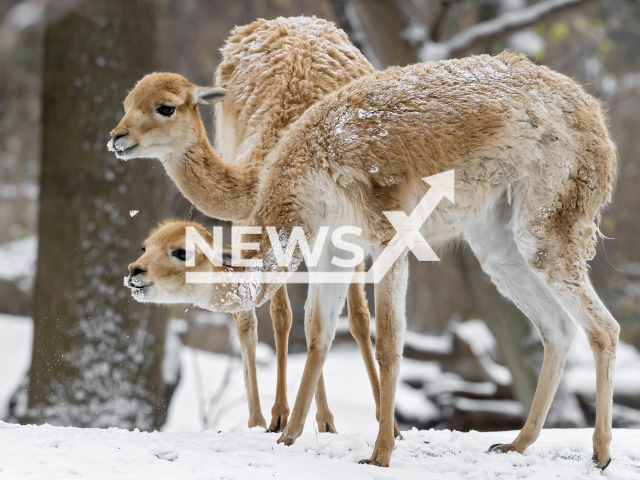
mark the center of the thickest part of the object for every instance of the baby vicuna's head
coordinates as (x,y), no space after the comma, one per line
(161,116)
(159,275)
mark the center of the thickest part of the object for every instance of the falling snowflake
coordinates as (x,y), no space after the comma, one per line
(133,213)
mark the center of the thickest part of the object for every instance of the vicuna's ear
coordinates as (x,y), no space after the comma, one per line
(209,95)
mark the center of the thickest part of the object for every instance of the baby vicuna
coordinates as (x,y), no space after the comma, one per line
(534,165)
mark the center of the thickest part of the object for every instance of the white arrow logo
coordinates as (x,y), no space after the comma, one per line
(408,227)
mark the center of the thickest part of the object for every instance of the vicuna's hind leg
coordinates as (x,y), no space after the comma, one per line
(494,245)
(247,325)
(557,248)
(281,319)
(360,329)
(602,331)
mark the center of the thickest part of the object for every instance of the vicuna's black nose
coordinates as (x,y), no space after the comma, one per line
(136,270)
(117,135)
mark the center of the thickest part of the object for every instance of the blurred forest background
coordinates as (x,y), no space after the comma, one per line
(65,67)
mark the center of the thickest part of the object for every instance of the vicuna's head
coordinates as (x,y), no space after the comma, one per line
(161,116)
(159,275)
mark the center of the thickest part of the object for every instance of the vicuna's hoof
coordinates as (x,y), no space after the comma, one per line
(601,467)
(502,448)
(396,433)
(258,422)
(286,439)
(278,424)
(327,427)
(380,457)
(496,448)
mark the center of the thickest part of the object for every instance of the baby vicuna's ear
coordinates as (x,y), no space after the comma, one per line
(209,95)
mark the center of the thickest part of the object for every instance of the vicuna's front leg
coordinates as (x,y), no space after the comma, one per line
(281,318)
(247,324)
(360,329)
(324,417)
(324,304)
(390,326)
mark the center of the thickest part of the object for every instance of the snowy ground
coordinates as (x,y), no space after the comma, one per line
(222,447)
(61,453)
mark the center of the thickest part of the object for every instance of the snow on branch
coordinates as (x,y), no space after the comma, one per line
(495,28)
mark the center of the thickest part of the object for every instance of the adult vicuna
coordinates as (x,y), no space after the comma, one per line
(534,165)
(271,72)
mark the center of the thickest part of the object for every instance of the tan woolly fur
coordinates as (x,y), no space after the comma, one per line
(534,166)
(271,72)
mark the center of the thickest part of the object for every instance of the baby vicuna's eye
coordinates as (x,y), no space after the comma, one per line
(180,254)
(166,110)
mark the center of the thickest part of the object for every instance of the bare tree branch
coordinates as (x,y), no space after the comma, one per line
(376,26)
(495,28)
(347,19)
(360,36)
(438,25)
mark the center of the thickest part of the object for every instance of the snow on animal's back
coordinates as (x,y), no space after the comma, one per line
(500,117)
(455,103)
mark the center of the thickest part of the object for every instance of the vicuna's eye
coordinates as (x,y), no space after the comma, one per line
(166,110)
(180,254)
(143,249)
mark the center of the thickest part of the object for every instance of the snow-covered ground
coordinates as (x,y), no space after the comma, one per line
(223,447)
(30,452)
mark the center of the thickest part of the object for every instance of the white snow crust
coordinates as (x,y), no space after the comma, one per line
(229,450)
(52,453)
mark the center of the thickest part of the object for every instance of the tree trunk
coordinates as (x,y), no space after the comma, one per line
(97,354)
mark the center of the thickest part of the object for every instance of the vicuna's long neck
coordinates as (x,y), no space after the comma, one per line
(217,188)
